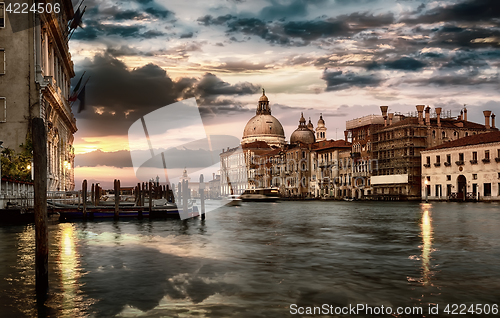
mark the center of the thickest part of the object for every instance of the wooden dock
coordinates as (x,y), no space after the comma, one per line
(83,205)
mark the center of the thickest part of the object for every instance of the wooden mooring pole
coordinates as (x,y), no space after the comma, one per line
(39,138)
(84,197)
(150,188)
(202,197)
(117,199)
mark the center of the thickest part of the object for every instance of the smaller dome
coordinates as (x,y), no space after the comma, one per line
(263,98)
(310,124)
(302,134)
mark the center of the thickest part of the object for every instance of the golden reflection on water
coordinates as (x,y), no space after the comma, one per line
(426,226)
(68,266)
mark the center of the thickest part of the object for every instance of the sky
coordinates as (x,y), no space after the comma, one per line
(339,58)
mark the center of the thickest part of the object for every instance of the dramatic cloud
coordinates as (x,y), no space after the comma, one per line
(467,11)
(339,80)
(117,96)
(404,63)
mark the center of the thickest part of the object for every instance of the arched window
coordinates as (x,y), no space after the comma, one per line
(434,134)
(443,134)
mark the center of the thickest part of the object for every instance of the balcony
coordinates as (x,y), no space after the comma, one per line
(437,164)
(497,159)
(473,162)
(447,164)
(427,165)
(459,163)
(486,160)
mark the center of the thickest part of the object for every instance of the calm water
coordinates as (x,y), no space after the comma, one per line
(256,260)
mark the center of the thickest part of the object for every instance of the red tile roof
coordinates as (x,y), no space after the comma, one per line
(478,139)
(256,144)
(320,145)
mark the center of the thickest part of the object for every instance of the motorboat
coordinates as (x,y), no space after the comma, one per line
(261,195)
(232,200)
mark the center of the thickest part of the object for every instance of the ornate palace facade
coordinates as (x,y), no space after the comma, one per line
(35,82)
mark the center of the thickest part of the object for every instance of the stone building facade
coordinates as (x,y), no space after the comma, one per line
(35,73)
(463,169)
(397,147)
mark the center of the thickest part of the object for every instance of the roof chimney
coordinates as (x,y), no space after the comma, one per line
(384,114)
(460,116)
(438,115)
(427,115)
(391,116)
(420,110)
(465,113)
(487,114)
(493,121)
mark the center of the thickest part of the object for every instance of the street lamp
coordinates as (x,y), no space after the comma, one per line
(426,191)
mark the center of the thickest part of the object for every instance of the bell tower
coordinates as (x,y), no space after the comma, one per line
(321,129)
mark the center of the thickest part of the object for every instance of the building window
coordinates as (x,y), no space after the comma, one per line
(443,134)
(474,188)
(474,155)
(428,160)
(2,15)
(433,134)
(2,61)
(3,110)
(474,176)
(448,177)
(438,190)
(498,194)
(448,190)
(487,154)
(487,189)
(448,160)
(460,157)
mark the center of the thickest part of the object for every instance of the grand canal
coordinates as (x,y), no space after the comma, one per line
(258,259)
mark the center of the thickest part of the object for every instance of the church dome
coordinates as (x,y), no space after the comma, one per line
(302,133)
(263,126)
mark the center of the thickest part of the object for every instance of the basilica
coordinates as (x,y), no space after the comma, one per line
(265,159)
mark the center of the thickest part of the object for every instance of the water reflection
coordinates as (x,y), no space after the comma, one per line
(426,227)
(257,259)
(68,263)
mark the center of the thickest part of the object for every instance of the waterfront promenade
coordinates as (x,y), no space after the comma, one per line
(258,259)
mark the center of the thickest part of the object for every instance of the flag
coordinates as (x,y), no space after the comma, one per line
(81,97)
(74,95)
(77,19)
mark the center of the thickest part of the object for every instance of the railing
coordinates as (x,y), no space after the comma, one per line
(461,196)
(16,194)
